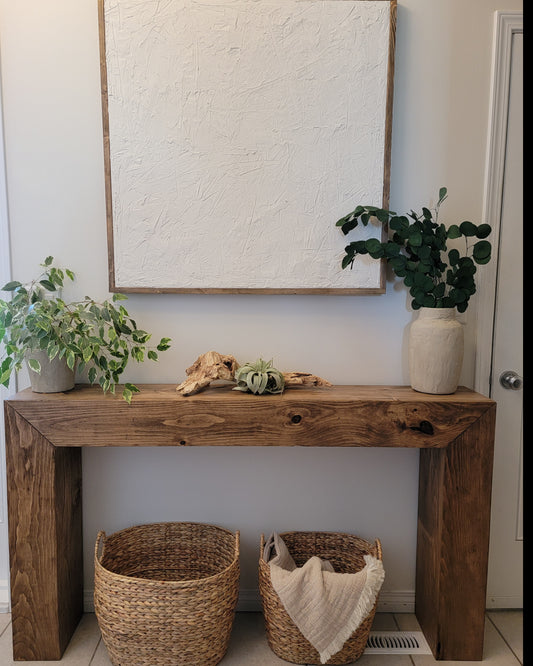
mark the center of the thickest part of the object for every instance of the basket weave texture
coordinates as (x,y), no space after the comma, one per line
(165,593)
(346,554)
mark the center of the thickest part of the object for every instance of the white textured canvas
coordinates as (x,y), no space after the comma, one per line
(240,131)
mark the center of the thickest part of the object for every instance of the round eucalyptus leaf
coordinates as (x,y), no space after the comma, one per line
(391,249)
(483,231)
(421,297)
(359,247)
(482,250)
(420,279)
(468,228)
(398,263)
(448,302)
(382,215)
(453,256)
(404,221)
(415,239)
(348,226)
(453,232)
(466,266)
(374,248)
(395,223)
(458,295)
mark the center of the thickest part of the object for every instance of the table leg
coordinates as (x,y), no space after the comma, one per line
(453,541)
(45,541)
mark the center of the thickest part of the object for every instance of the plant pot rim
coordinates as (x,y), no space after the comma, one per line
(437,313)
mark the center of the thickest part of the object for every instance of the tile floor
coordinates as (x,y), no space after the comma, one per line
(248,646)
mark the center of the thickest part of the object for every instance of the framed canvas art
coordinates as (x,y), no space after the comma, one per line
(236,134)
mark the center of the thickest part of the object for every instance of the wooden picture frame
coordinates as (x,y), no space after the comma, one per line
(236,133)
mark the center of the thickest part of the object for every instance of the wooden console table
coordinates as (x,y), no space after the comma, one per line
(45,433)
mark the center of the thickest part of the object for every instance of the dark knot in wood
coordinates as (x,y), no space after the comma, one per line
(425,427)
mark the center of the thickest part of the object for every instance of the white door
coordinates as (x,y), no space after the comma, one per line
(505,578)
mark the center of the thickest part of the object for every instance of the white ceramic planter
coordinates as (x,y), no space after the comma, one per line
(55,375)
(436,348)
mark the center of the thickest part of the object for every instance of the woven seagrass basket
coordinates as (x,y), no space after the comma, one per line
(165,593)
(346,553)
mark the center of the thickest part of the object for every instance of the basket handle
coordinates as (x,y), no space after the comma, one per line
(378,549)
(100,540)
(261,547)
(237,543)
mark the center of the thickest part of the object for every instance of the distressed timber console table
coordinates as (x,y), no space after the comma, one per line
(45,433)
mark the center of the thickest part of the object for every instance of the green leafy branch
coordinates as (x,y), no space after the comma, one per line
(417,252)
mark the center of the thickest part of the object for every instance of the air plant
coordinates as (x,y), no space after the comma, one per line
(259,377)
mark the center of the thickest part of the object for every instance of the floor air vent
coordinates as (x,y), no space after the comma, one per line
(397,642)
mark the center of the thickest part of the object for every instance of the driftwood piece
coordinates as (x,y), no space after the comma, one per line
(211,366)
(304,379)
(207,368)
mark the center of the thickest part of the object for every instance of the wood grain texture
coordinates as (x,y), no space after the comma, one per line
(388,114)
(453,541)
(44,433)
(45,541)
(337,416)
(106,146)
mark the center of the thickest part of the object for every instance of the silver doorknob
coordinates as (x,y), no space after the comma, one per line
(511,380)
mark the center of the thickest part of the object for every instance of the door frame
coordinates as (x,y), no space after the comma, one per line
(506,24)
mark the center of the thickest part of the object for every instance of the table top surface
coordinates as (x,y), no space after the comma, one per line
(223,392)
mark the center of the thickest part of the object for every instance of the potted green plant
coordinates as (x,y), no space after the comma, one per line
(440,281)
(39,328)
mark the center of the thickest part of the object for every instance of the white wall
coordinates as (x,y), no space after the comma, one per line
(55,175)
(5,275)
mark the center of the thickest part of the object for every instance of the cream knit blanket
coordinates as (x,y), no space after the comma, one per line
(327,607)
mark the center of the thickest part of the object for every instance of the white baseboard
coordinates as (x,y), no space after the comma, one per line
(402,601)
(389,602)
(396,601)
(5,605)
(399,601)
(500,603)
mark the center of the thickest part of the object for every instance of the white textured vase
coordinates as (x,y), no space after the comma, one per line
(55,375)
(436,347)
